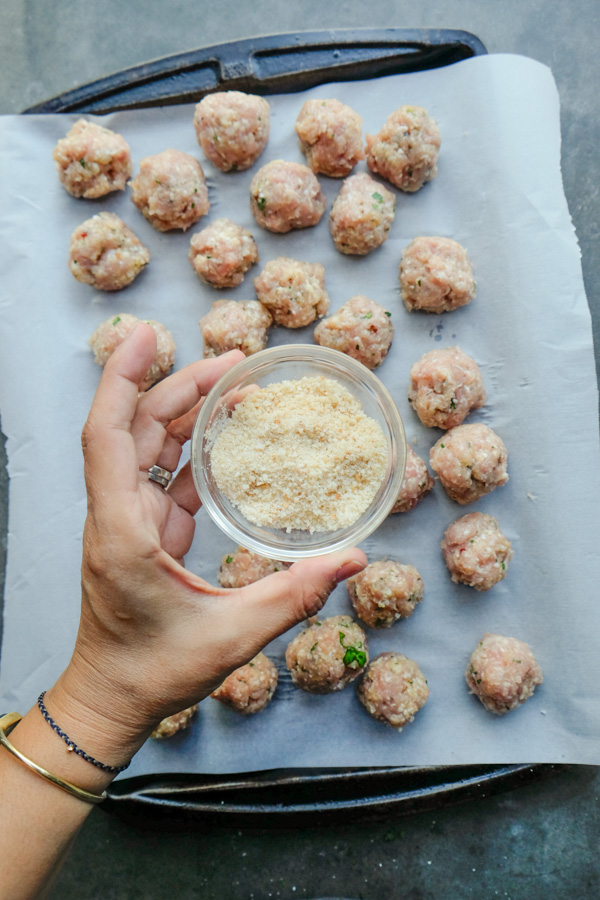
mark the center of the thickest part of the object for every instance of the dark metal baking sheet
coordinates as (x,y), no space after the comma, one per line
(287,797)
(270,64)
(308,797)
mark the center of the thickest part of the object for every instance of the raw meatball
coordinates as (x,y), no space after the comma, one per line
(105,253)
(361,328)
(232,128)
(170,190)
(393,690)
(250,688)
(92,161)
(445,386)
(242,567)
(476,552)
(384,592)
(470,461)
(293,291)
(406,149)
(172,724)
(235,325)
(330,136)
(113,332)
(222,253)
(436,275)
(416,483)
(503,673)
(361,215)
(328,655)
(286,195)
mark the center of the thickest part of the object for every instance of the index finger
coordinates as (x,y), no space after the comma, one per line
(171,399)
(109,450)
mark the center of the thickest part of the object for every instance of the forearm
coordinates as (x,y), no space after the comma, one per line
(40,820)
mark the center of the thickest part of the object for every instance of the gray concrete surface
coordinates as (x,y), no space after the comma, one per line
(532,843)
(537,841)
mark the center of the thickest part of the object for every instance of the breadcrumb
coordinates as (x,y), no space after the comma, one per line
(300,455)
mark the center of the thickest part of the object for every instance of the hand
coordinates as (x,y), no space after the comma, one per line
(154,637)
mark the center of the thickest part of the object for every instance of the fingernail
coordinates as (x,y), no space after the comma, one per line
(348,570)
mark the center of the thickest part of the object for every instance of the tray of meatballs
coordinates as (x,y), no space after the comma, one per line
(327,239)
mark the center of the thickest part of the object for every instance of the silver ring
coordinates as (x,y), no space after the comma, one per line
(159,475)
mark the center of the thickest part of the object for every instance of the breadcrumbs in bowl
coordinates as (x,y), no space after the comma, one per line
(298,451)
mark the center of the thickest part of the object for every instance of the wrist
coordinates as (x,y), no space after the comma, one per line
(95,717)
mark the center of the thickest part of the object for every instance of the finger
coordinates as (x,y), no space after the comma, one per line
(177,532)
(108,448)
(183,492)
(271,606)
(180,430)
(173,398)
(178,433)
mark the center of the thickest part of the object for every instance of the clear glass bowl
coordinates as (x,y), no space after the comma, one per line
(287,363)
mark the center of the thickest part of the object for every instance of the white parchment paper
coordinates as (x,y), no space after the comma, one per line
(498,192)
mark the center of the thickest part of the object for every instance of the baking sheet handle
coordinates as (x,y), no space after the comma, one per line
(308,797)
(270,64)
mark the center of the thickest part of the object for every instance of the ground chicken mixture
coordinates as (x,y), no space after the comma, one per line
(470,461)
(293,291)
(105,253)
(232,128)
(436,275)
(250,688)
(172,724)
(384,592)
(476,552)
(235,325)
(327,655)
(109,334)
(502,673)
(242,567)
(286,195)
(361,215)
(300,455)
(445,386)
(406,149)
(416,483)
(361,328)
(222,253)
(92,160)
(393,689)
(170,190)
(330,135)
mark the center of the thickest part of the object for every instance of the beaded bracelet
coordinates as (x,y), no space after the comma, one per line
(7,723)
(71,745)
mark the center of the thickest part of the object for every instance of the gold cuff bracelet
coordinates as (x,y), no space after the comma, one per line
(7,723)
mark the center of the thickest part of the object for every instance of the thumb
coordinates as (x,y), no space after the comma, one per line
(271,606)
